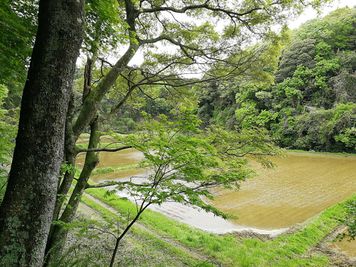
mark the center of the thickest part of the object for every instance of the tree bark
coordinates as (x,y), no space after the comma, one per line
(27,208)
(59,233)
(88,112)
(69,158)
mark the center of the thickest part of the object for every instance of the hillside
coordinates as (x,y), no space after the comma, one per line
(309,102)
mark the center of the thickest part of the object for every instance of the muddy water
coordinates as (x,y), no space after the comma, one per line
(117,175)
(207,221)
(301,186)
(346,247)
(115,159)
(111,159)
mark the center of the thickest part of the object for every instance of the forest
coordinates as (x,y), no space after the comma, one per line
(177,133)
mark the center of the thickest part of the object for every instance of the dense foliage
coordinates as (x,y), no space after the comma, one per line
(186,161)
(7,131)
(17,27)
(311,104)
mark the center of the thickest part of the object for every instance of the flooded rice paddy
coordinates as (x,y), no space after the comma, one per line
(298,188)
(115,159)
(122,161)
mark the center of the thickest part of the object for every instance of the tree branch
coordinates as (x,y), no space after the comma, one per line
(103,149)
(90,105)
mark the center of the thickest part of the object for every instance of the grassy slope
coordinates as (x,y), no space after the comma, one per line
(286,250)
(157,245)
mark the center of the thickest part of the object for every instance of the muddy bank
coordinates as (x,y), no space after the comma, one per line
(348,247)
(345,246)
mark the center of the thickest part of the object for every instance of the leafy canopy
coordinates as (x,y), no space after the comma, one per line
(185,161)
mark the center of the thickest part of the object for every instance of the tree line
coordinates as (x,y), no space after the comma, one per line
(302,91)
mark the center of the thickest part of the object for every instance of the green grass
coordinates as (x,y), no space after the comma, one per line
(105,170)
(285,250)
(157,244)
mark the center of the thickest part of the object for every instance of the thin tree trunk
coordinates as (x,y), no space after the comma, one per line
(128,227)
(70,140)
(70,156)
(59,233)
(113,256)
(27,208)
(56,236)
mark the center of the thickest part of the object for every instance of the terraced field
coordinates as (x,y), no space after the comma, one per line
(299,187)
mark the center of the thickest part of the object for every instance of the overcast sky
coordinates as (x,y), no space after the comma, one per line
(310,13)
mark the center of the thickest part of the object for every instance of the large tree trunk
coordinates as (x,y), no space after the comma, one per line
(27,208)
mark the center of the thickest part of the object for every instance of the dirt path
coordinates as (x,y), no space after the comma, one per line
(86,210)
